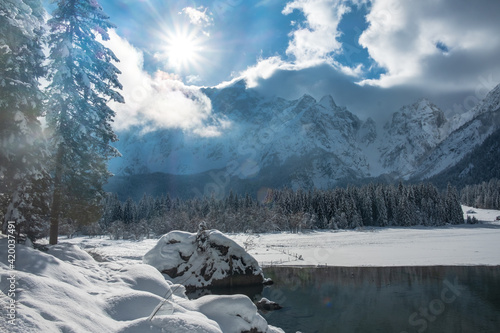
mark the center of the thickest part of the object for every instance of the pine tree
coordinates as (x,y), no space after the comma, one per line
(116,210)
(454,214)
(83,80)
(129,211)
(23,175)
(380,209)
(145,208)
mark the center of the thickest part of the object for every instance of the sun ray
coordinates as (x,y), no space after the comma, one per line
(183,49)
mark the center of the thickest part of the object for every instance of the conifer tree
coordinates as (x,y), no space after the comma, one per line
(83,80)
(24,179)
(453,209)
(129,211)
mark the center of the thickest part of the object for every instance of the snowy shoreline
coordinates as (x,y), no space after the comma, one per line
(451,245)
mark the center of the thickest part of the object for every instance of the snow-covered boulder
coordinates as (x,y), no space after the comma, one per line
(267,305)
(204,259)
(233,313)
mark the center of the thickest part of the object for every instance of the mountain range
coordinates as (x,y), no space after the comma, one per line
(304,143)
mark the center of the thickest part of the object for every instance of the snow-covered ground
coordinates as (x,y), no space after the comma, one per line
(399,246)
(477,244)
(66,290)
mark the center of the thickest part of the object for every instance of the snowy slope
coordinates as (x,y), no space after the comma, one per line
(471,134)
(66,290)
(316,141)
(308,143)
(413,132)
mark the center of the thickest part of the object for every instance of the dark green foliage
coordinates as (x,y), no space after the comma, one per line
(472,220)
(288,210)
(485,195)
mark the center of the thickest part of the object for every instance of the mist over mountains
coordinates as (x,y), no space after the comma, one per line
(302,143)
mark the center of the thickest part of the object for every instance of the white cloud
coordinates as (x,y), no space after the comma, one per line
(316,38)
(198,16)
(161,100)
(192,79)
(446,46)
(264,69)
(407,39)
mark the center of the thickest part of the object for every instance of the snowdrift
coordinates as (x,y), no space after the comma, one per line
(65,290)
(204,259)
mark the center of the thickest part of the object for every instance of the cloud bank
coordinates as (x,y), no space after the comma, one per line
(446,44)
(445,50)
(159,101)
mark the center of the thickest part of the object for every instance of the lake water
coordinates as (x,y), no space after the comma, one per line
(381,299)
(385,299)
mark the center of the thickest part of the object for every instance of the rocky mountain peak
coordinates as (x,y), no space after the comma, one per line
(412,133)
(307,99)
(306,143)
(368,132)
(422,114)
(492,100)
(306,102)
(328,102)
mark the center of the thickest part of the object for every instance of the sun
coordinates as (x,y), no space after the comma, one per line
(183,50)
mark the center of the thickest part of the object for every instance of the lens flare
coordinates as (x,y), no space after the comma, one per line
(327,301)
(183,49)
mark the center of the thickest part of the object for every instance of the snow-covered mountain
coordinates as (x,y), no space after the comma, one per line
(307,143)
(475,127)
(316,142)
(413,132)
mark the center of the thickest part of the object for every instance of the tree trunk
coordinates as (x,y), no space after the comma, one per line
(55,210)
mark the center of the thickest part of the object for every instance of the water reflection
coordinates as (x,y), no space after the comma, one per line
(389,299)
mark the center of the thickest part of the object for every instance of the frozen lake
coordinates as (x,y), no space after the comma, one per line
(386,299)
(381,299)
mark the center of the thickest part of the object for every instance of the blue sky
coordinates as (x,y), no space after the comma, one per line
(372,56)
(234,36)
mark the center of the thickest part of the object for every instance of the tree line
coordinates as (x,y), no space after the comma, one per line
(373,205)
(485,195)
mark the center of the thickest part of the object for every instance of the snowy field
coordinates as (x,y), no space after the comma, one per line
(66,290)
(415,246)
(399,246)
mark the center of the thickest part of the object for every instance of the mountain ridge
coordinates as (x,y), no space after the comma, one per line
(306,143)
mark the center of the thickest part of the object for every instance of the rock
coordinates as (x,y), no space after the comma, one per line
(267,305)
(205,259)
(268,282)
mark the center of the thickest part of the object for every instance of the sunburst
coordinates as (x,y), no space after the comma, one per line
(183,50)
